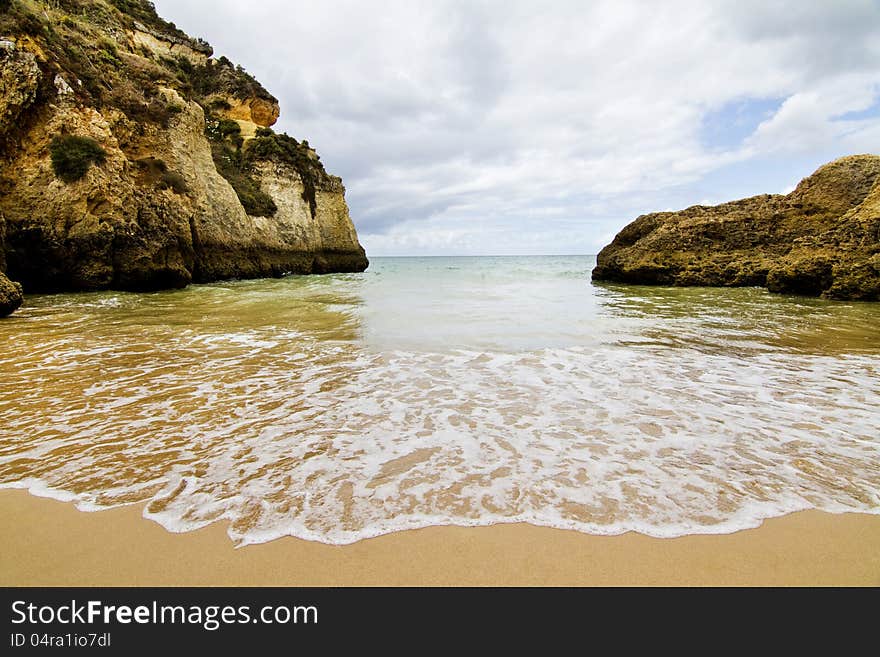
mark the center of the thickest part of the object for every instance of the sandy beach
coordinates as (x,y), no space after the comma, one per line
(46,542)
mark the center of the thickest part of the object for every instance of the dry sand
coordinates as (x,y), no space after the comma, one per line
(51,543)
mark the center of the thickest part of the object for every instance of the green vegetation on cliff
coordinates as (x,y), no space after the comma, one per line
(81,39)
(145,14)
(286,150)
(86,48)
(235,160)
(215,76)
(154,140)
(226,149)
(72,156)
(232,166)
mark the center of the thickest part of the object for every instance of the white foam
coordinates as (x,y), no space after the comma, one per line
(347,444)
(336,409)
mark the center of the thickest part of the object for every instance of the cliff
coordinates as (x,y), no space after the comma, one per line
(132,159)
(822,239)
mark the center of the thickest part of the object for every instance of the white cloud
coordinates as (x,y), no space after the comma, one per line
(472,127)
(810,119)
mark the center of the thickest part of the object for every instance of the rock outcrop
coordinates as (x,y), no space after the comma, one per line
(822,239)
(131,159)
(10,292)
(10,296)
(19,80)
(251,114)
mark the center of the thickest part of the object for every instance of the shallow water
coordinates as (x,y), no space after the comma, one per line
(444,390)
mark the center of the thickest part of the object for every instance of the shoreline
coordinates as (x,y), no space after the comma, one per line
(51,543)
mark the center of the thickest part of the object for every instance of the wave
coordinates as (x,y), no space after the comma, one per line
(279,433)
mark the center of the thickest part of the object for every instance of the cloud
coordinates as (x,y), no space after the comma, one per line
(811,119)
(467,127)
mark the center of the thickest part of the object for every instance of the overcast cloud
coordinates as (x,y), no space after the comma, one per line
(544,127)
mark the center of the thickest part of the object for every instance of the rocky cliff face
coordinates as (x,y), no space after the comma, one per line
(131,159)
(10,292)
(822,239)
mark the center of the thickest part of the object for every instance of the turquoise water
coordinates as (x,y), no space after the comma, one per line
(444,391)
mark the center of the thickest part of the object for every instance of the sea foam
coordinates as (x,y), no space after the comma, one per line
(304,426)
(342,446)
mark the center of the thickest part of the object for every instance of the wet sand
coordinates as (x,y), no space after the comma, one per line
(46,542)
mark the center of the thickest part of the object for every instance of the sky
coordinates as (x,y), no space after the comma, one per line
(544,127)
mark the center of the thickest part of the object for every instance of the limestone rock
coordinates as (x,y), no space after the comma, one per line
(159,211)
(166,45)
(19,80)
(330,228)
(10,292)
(259,111)
(822,239)
(102,231)
(10,296)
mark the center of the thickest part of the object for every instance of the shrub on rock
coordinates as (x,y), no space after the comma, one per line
(72,156)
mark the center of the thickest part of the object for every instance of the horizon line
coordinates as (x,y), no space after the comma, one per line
(492,255)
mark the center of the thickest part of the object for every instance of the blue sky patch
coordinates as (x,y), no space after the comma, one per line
(871,112)
(727,127)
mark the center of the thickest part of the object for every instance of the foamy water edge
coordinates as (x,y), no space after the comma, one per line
(556,427)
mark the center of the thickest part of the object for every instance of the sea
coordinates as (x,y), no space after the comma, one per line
(444,391)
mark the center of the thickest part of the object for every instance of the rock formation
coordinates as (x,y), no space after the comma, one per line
(10,292)
(130,158)
(822,239)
